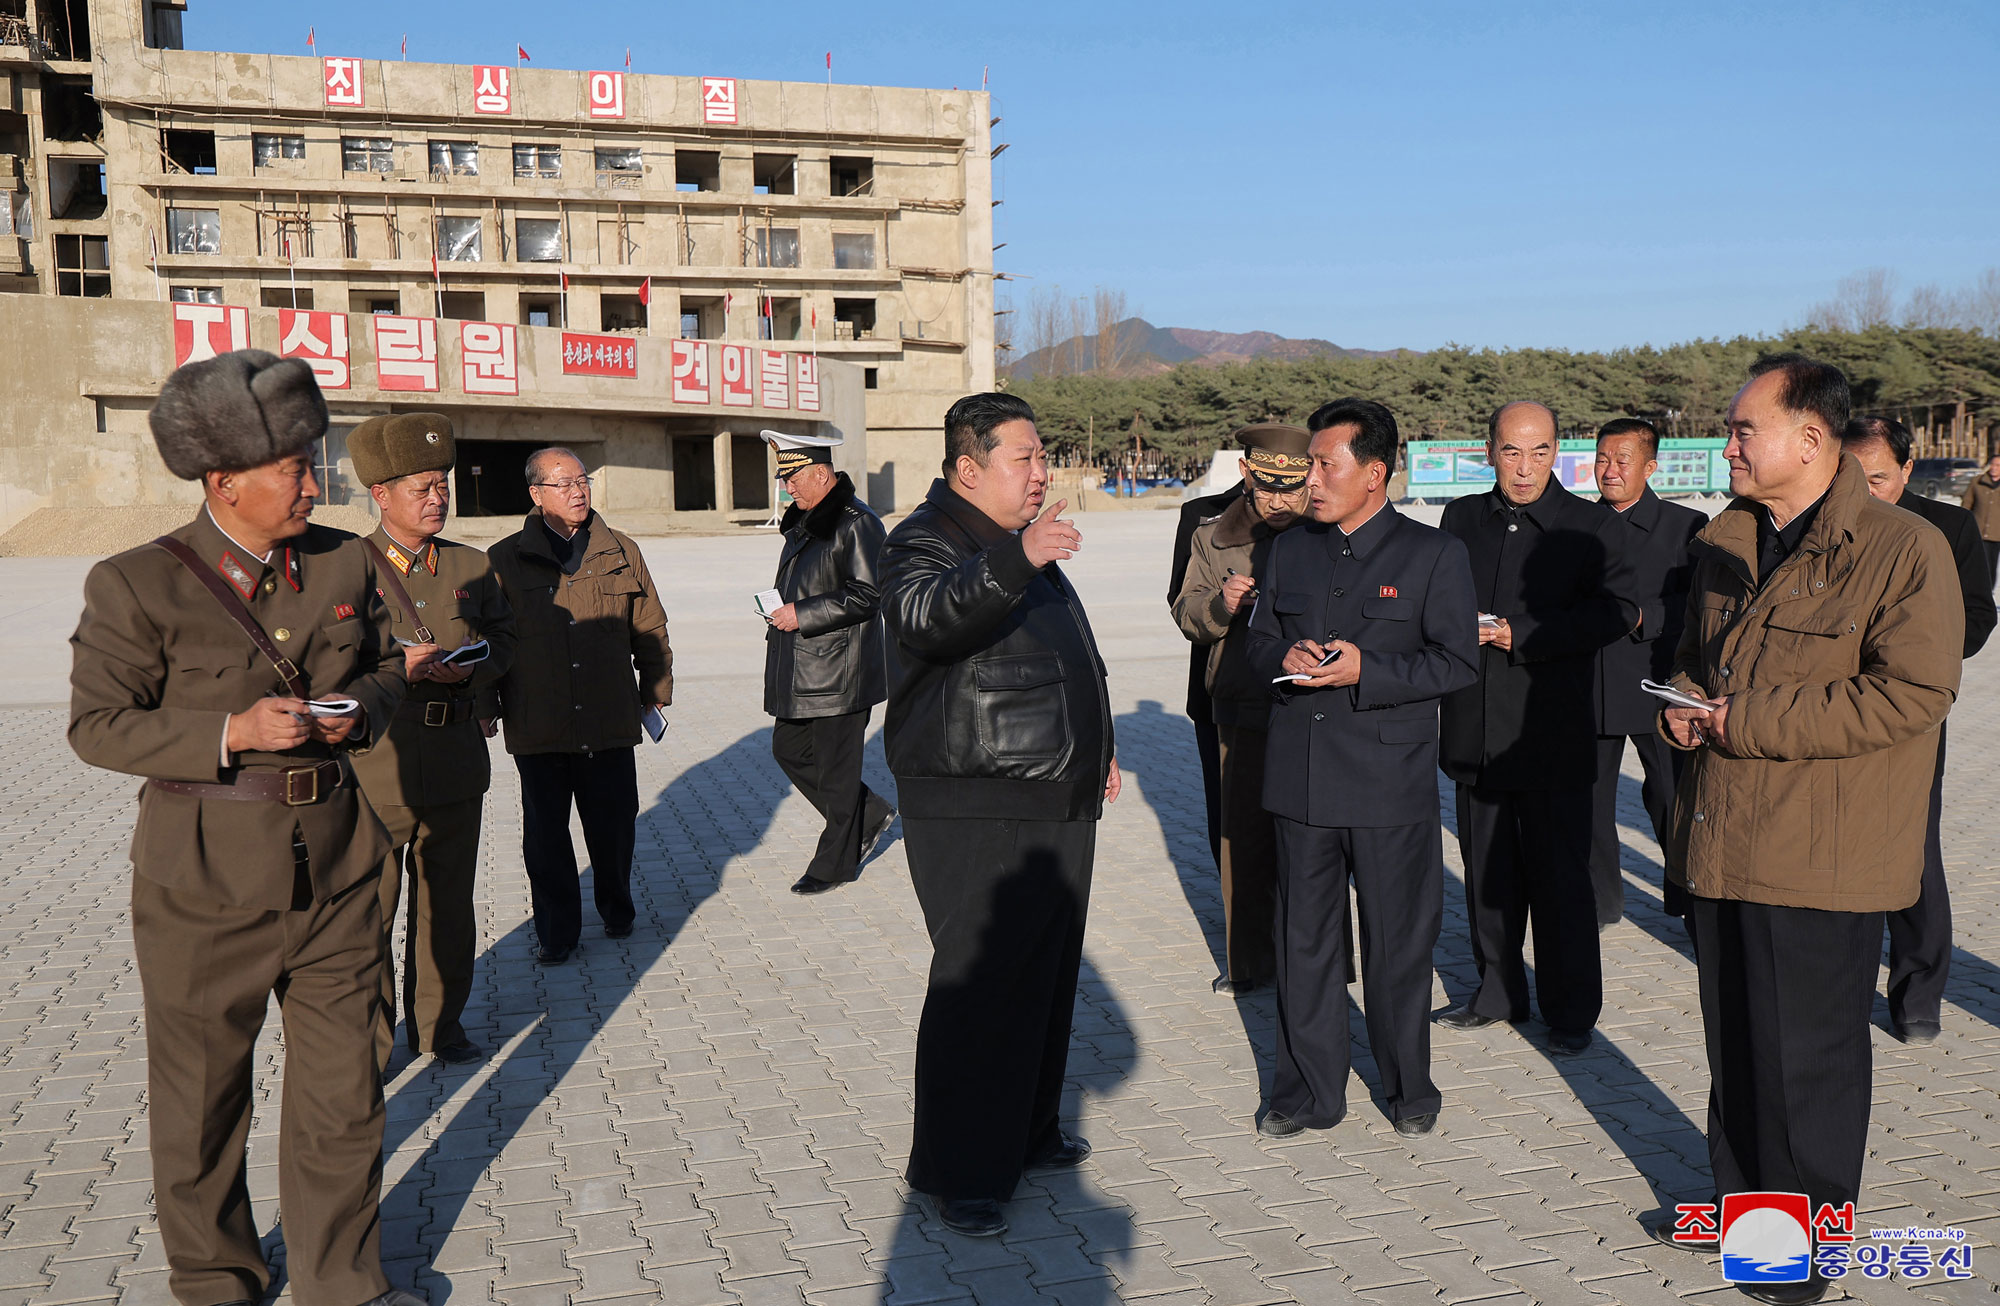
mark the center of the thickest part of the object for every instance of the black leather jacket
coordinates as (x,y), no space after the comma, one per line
(833,663)
(998,706)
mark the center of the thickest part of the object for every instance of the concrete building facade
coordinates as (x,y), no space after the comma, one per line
(849,225)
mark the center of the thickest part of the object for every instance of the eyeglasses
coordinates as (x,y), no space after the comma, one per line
(567,484)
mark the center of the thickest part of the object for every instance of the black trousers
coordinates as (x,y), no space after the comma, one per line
(1527,854)
(1992,555)
(1920,934)
(1662,763)
(605,788)
(1398,875)
(1004,902)
(822,757)
(1208,747)
(1785,996)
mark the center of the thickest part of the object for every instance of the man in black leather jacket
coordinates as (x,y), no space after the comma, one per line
(999,733)
(823,659)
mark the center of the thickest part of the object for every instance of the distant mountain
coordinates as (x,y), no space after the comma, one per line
(1147,350)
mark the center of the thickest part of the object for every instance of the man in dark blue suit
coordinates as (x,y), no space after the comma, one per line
(1654,536)
(1374,615)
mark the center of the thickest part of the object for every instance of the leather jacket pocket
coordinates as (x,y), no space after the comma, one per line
(819,662)
(1022,707)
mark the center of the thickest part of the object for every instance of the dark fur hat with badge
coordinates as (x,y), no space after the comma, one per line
(401,444)
(236,411)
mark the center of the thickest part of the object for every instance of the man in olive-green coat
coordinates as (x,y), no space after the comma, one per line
(257,859)
(428,778)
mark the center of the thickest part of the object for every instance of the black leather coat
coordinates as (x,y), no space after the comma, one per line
(998,707)
(833,664)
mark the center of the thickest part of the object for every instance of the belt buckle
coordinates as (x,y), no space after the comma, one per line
(440,709)
(292,796)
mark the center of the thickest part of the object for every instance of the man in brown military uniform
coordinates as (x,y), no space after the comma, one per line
(428,778)
(256,856)
(589,615)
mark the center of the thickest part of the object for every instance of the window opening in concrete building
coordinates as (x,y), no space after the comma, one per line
(66,28)
(749,472)
(464,305)
(851,175)
(270,149)
(367,154)
(490,478)
(697,170)
(616,242)
(194,231)
(701,319)
(9,202)
(188,150)
(853,319)
(458,239)
(195,294)
(871,378)
(538,161)
(281,297)
(774,174)
(163,24)
(69,110)
(336,488)
(541,311)
(694,474)
(854,249)
(538,240)
(621,313)
(76,188)
(619,167)
(373,301)
(454,158)
(83,266)
(777,247)
(779,321)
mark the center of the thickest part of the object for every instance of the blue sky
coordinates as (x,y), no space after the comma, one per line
(1576,175)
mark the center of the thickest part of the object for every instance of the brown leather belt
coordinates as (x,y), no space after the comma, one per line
(436,711)
(294,786)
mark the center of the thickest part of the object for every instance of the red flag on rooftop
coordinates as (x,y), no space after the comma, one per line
(406,45)
(309,37)
(646,292)
(522,51)
(628,57)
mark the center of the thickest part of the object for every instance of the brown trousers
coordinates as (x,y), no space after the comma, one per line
(437,850)
(208,972)
(1249,858)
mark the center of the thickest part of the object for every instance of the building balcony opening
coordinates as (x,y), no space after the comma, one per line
(701,319)
(463,305)
(490,478)
(374,301)
(850,175)
(188,150)
(300,297)
(76,188)
(541,310)
(621,313)
(697,170)
(749,472)
(69,110)
(853,319)
(694,473)
(163,24)
(779,320)
(66,28)
(774,174)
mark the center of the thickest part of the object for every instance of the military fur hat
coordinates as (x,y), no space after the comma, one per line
(401,444)
(236,411)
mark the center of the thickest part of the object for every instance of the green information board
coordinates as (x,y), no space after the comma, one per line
(1448,469)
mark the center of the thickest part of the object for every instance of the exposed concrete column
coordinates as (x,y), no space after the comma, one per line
(725,489)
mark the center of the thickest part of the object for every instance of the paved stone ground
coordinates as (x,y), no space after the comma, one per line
(717,1109)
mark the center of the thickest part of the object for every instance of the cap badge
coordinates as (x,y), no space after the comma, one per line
(430,437)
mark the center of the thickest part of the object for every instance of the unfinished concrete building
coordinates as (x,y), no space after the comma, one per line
(474,236)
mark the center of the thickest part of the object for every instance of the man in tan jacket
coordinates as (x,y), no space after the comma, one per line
(1824,626)
(587,614)
(200,661)
(1982,500)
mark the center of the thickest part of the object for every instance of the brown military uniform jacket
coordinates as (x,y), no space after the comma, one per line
(158,667)
(1236,541)
(1839,666)
(572,687)
(459,600)
(1982,500)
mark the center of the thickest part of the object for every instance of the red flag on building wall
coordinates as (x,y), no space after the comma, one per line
(646,292)
(565,281)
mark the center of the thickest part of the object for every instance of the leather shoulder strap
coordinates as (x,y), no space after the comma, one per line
(287,670)
(387,571)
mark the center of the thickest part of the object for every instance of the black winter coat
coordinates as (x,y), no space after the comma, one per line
(998,707)
(1656,538)
(833,664)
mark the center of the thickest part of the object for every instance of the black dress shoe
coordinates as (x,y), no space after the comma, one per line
(975,1217)
(813,884)
(1234,988)
(1786,1294)
(1916,1033)
(1068,1151)
(1276,1124)
(618,931)
(1662,1232)
(552,956)
(1464,1017)
(1568,1042)
(460,1053)
(1417,1126)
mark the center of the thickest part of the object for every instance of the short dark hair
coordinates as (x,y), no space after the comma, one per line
(1493,421)
(969,426)
(1375,439)
(1811,387)
(1649,435)
(1901,440)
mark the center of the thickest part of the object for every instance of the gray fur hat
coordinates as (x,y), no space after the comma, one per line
(236,411)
